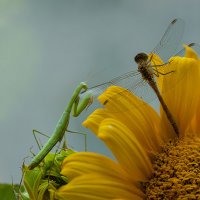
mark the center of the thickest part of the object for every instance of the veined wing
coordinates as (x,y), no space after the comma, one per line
(181,53)
(194,46)
(124,80)
(132,81)
(170,40)
(181,76)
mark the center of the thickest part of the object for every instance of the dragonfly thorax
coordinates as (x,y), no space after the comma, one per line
(145,68)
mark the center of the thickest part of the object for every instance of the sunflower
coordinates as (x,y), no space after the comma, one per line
(152,161)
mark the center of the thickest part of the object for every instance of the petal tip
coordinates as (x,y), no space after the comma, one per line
(190,52)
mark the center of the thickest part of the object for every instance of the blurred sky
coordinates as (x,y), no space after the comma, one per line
(47,47)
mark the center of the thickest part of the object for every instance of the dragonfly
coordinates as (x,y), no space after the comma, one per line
(143,79)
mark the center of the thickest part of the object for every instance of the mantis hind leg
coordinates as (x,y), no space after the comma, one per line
(36,139)
(80,133)
(18,192)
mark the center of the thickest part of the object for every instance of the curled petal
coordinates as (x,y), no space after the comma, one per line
(126,148)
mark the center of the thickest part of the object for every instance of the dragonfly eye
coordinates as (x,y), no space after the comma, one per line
(141,57)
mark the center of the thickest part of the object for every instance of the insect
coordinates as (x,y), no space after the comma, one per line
(135,81)
(33,176)
(76,107)
(144,67)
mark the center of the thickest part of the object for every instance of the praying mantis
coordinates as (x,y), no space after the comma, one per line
(35,178)
(73,106)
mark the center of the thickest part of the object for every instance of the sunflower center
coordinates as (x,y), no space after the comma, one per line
(176,171)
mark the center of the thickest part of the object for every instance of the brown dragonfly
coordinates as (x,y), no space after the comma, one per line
(141,81)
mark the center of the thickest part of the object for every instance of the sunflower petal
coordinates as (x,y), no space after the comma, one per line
(99,187)
(177,89)
(130,110)
(86,162)
(126,148)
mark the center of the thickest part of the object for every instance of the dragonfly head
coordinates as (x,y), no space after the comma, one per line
(141,57)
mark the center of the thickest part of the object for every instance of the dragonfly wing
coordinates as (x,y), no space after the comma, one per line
(170,40)
(140,89)
(122,81)
(194,46)
(144,91)
(132,81)
(181,76)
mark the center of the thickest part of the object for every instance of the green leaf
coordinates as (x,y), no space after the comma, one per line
(41,182)
(31,182)
(7,192)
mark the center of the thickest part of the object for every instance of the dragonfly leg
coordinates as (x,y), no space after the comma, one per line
(150,59)
(156,72)
(161,65)
(155,65)
(162,73)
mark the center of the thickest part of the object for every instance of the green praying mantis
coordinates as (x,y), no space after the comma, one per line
(76,107)
(35,176)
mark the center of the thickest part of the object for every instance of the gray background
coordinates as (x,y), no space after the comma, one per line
(48,47)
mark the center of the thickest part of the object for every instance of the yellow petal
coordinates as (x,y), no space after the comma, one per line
(190,53)
(155,59)
(98,187)
(139,117)
(87,162)
(93,121)
(126,148)
(195,125)
(177,89)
